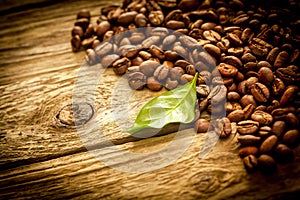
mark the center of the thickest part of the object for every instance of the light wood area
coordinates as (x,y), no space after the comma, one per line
(40,159)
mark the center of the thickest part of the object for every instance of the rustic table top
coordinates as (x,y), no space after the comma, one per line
(42,160)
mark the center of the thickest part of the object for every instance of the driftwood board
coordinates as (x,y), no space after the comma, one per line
(40,159)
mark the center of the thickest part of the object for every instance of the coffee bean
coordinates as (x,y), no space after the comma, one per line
(169,41)
(108,60)
(233,60)
(76,43)
(174,15)
(150,41)
(291,137)
(103,49)
(84,14)
(148,67)
(248,57)
(83,23)
(137,80)
(278,128)
(173,24)
(161,72)
(153,84)
(262,117)
(233,96)
(288,95)
(249,150)
(171,84)
(231,106)
(266,163)
(292,120)
(273,55)
(281,59)
(249,140)
(176,73)
(227,70)
(234,39)
(288,75)
(260,92)
(202,125)
(248,99)
(157,52)
(120,66)
(247,127)
(265,75)
(264,131)
(102,28)
(278,86)
(250,162)
(140,20)
(248,110)
(217,94)
(212,36)
(156,18)
(188,42)
(284,153)
(268,145)
(77,30)
(236,116)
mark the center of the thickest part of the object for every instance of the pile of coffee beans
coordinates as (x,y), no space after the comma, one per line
(254,45)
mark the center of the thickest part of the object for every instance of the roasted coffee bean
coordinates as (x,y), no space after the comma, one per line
(234,39)
(103,49)
(251,81)
(188,41)
(236,51)
(233,60)
(87,43)
(108,35)
(268,145)
(212,36)
(249,150)
(248,110)
(90,57)
(168,41)
(292,120)
(83,23)
(262,117)
(288,95)
(157,52)
(278,86)
(266,163)
(236,116)
(263,63)
(248,99)
(127,17)
(265,75)
(247,127)
(260,92)
(190,69)
(227,70)
(278,128)
(102,28)
(284,153)
(132,69)
(233,96)
(281,59)
(188,5)
(250,163)
(174,24)
(148,67)
(174,15)
(161,72)
(223,127)
(136,38)
(137,61)
(217,94)
(153,84)
(186,78)
(231,106)
(202,125)
(145,55)
(150,41)
(75,43)
(77,30)
(247,35)
(140,20)
(202,90)
(264,131)
(84,14)
(108,60)
(288,75)
(273,55)
(120,66)
(291,137)
(156,18)
(171,84)
(249,140)
(248,57)
(137,80)
(176,73)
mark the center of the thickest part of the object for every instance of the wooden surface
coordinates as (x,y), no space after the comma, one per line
(42,160)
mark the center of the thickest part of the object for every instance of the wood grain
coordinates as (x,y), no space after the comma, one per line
(41,159)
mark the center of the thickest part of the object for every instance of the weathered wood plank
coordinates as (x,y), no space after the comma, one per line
(220,175)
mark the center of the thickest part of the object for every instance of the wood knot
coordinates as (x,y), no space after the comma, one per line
(75,114)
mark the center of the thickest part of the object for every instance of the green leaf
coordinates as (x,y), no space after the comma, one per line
(174,106)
